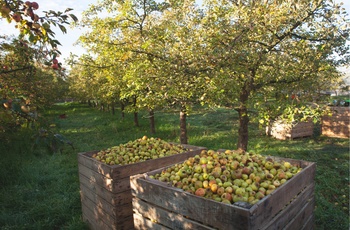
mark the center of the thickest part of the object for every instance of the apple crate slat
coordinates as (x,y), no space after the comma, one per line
(158,205)
(282,131)
(105,189)
(337,125)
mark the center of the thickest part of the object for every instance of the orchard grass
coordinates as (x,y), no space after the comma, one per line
(40,189)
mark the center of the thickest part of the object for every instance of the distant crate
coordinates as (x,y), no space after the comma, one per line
(282,130)
(337,125)
(105,189)
(158,205)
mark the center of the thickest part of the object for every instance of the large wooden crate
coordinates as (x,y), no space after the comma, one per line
(105,190)
(337,125)
(160,206)
(282,131)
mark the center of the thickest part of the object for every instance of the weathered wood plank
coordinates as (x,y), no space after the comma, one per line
(310,223)
(164,217)
(114,198)
(103,208)
(128,224)
(337,125)
(92,220)
(283,131)
(296,206)
(123,220)
(145,224)
(86,159)
(302,217)
(102,204)
(112,185)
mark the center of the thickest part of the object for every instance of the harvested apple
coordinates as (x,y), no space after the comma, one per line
(230,176)
(140,150)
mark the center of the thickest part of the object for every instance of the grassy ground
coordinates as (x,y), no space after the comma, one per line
(40,190)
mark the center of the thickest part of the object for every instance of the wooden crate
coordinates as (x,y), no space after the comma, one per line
(283,131)
(337,125)
(160,206)
(105,190)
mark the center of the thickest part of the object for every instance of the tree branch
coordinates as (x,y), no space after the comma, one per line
(289,32)
(309,38)
(15,70)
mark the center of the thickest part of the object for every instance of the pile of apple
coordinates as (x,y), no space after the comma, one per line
(229,176)
(138,150)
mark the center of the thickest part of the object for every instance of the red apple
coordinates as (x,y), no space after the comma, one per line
(55,66)
(17,17)
(246,170)
(200,192)
(226,196)
(28,4)
(35,5)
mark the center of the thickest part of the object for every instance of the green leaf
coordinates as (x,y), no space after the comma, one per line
(56,42)
(63,29)
(75,19)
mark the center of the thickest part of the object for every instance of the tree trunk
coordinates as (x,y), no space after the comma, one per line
(151,121)
(113,109)
(183,129)
(136,117)
(122,105)
(243,134)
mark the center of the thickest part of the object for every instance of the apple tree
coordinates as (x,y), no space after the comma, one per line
(260,50)
(177,52)
(30,73)
(36,27)
(25,85)
(118,41)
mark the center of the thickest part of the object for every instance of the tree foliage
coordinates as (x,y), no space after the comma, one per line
(26,86)
(31,77)
(243,54)
(34,27)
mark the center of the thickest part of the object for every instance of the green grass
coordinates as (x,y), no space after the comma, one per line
(40,190)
